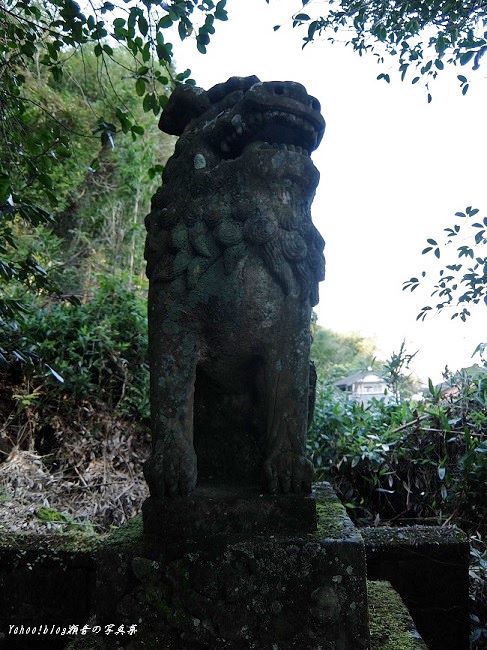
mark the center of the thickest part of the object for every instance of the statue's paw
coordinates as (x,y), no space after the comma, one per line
(179,472)
(287,472)
(171,472)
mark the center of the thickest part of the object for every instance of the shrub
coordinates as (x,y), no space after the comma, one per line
(413,461)
(95,349)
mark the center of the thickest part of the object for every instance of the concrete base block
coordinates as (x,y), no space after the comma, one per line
(428,567)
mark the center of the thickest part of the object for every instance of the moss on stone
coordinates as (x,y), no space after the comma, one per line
(69,542)
(128,536)
(413,536)
(391,627)
(332,519)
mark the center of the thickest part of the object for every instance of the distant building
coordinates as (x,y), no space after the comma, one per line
(451,388)
(364,386)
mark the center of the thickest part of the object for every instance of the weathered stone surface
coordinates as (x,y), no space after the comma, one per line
(428,567)
(295,590)
(301,590)
(234,263)
(391,626)
(228,510)
(47,582)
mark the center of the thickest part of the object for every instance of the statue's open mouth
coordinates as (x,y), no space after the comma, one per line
(269,129)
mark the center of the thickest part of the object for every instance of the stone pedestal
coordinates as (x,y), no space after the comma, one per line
(240,584)
(228,510)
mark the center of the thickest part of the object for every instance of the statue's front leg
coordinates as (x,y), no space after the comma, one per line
(286,468)
(171,468)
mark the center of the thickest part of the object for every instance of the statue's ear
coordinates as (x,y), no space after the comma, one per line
(185,103)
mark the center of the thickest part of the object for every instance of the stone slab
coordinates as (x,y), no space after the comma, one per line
(228,510)
(428,567)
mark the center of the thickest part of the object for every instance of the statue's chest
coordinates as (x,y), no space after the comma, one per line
(246,311)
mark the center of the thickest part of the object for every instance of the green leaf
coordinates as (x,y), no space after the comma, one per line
(57,73)
(220,13)
(380,32)
(147,103)
(140,87)
(165,22)
(466,57)
(5,190)
(143,25)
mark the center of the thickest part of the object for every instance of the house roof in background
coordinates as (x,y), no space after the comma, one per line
(360,377)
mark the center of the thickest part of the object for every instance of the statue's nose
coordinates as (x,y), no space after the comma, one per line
(291,89)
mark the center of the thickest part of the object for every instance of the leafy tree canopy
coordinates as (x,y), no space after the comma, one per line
(462,281)
(37,42)
(336,355)
(423,35)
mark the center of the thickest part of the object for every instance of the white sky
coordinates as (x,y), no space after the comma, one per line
(394,170)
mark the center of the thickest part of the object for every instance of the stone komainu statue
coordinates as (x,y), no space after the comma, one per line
(234,263)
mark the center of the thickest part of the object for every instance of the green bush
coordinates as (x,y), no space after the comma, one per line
(412,460)
(95,349)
